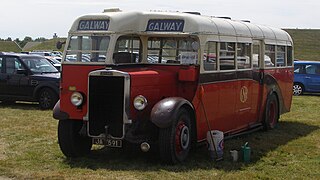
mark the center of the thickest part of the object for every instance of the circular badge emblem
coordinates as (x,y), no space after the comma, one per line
(243,94)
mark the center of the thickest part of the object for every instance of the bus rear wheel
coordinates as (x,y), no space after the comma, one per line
(271,116)
(175,141)
(71,142)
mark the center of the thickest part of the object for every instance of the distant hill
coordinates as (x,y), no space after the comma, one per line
(29,45)
(47,45)
(9,46)
(306,43)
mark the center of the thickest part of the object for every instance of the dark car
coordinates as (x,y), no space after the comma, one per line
(26,77)
(306,77)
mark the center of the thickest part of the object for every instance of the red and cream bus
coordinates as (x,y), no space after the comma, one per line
(163,79)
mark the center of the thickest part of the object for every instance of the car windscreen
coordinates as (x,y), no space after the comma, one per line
(39,65)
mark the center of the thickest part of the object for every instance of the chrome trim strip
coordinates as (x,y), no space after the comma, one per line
(126,99)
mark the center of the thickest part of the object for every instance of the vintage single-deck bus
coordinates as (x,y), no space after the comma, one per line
(163,79)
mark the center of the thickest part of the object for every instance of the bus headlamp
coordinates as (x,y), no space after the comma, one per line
(140,102)
(76,99)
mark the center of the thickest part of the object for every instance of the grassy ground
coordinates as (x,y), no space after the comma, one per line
(29,150)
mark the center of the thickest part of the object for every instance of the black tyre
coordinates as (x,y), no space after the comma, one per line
(71,143)
(175,141)
(271,116)
(297,89)
(47,98)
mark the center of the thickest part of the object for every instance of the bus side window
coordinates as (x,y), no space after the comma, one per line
(172,50)
(244,55)
(289,56)
(269,59)
(127,50)
(227,56)
(281,52)
(256,55)
(210,56)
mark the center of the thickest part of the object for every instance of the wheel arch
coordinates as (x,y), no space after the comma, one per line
(164,112)
(273,87)
(39,88)
(192,115)
(58,114)
(300,83)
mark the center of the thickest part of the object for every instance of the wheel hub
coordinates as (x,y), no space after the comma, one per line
(182,137)
(297,90)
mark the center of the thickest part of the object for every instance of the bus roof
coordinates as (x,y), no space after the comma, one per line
(137,22)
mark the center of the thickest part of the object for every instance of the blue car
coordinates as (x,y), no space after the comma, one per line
(306,77)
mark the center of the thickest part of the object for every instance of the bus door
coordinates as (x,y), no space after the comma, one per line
(257,85)
(227,101)
(219,85)
(245,87)
(217,106)
(227,86)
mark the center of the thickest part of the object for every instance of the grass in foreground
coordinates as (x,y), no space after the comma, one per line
(29,150)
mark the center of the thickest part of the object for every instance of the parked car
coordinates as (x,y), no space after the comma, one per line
(54,62)
(41,53)
(25,77)
(306,77)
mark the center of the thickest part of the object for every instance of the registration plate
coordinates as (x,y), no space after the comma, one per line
(107,142)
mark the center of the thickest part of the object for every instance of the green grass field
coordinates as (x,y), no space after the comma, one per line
(48,45)
(306,43)
(29,150)
(9,46)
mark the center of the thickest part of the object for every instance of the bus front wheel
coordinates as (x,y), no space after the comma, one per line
(175,140)
(271,116)
(71,142)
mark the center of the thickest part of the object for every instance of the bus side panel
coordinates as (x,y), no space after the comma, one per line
(215,103)
(74,78)
(289,82)
(202,115)
(247,99)
(244,104)
(280,81)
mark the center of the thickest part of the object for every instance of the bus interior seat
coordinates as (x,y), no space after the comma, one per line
(173,62)
(124,57)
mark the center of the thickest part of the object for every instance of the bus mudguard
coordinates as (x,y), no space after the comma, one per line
(58,114)
(164,112)
(273,87)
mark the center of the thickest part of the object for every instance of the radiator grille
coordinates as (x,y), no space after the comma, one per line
(106,98)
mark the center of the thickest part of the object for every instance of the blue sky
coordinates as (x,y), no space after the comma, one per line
(43,18)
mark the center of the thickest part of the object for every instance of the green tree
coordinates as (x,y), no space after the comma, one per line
(40,39)
(25,41)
